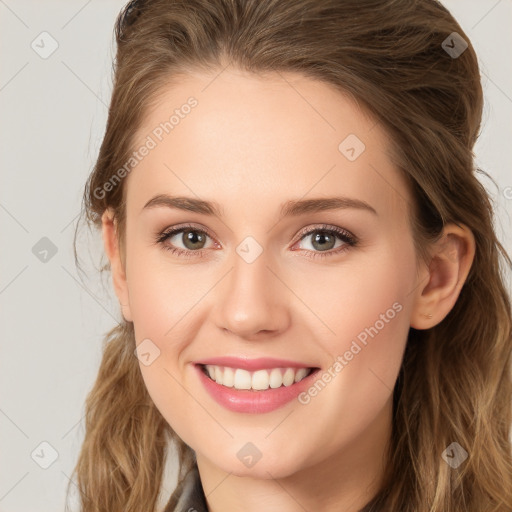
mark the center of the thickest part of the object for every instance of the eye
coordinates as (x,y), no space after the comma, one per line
(325,240)
(191,237)
(194,240)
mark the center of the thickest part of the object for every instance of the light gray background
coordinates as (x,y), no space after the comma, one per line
(53,113)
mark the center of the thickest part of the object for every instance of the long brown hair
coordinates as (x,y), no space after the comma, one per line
(455,384)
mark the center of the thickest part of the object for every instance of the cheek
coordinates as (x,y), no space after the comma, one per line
(160,293)
(367,297)
(162,296)
(368,309)
(159,303)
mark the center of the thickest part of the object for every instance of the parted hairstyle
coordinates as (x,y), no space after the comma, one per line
(455,382)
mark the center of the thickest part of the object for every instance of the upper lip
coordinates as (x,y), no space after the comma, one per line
(259,363)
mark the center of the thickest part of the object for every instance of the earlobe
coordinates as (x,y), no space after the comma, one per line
(111,245)
(450,263)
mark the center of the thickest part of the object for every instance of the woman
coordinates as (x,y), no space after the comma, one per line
(372,374)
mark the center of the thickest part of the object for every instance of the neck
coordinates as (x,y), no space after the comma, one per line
(346,481)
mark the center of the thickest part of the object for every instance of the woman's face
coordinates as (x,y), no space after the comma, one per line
(264,289)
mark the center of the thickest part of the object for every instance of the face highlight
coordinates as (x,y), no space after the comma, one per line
(295,245)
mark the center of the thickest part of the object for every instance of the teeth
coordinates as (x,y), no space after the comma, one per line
(276,378)
(228,379)
(242,378)
(218,375)
(301,374)
(288,377)
(259,380)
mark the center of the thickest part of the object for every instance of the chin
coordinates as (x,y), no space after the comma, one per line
(267,467)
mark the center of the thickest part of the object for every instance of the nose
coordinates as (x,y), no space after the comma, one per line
(252,302)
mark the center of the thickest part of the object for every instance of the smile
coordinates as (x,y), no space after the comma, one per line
(254,385)
(259,380)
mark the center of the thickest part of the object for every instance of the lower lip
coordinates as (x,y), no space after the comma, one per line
(241,400)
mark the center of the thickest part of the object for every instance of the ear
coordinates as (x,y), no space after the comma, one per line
(442,281)
(111,244)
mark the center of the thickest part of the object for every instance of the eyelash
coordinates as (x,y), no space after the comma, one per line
(349,240)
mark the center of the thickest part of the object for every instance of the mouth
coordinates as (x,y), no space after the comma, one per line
(260,387)
(259,380)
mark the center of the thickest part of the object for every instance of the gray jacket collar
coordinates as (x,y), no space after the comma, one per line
(192,498)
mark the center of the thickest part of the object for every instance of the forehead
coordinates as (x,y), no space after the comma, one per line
(276,136)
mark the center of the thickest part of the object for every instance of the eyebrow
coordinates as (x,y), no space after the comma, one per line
(289,208)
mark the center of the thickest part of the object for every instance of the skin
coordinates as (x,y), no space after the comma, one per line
(251,144)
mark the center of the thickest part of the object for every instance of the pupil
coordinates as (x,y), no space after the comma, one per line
(321,237)
(193,237)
